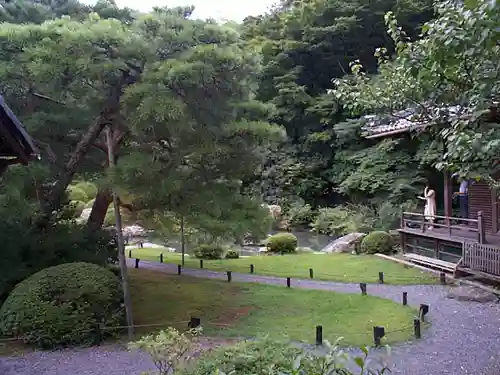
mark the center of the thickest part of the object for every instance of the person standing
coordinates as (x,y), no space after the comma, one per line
(430,205)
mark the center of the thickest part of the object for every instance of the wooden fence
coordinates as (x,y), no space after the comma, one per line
(481,258)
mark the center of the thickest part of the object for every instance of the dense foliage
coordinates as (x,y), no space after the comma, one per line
(207,121)
(171,352)
(63,305)
(209,251)
(449,81)
(377,242)
(282,243)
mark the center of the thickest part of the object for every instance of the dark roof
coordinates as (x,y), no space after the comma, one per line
(15,143)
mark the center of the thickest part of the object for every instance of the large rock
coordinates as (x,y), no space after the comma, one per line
(344,244)
(471,293)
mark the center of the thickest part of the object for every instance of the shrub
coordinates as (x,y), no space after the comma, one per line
(247,357)
(109,219)
(278,358)
(301,215)
(75,208)
(342,220)
(377,242)
(77,194)
(208,251)
(28,251)
(170,350)
(63,305)
(282,243)
(89,188)
(232,254)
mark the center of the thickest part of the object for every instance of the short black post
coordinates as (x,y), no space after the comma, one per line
(288,282)
(161,258)
(201,263)
(442,278)
(319,335)
(179,269)
(137,260)
(130,253)
(378,333)
(194,322)
(405,298)
(311,273)
(252,268)
(363,288)
(229,276)
(416,328)
(381,277)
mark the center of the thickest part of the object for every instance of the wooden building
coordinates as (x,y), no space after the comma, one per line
(16,146)
(465,246)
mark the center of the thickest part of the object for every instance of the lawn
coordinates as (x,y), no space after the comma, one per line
(249,310)
(333,267)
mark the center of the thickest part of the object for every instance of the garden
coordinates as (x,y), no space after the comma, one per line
(215,134)
(288,261)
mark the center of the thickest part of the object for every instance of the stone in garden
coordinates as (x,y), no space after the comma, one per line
(344,244)
(471,293)
(85,214)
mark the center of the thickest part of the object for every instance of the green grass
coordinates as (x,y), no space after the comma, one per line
(249,310)
(332,267)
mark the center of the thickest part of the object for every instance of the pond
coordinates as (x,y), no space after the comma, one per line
(305,239)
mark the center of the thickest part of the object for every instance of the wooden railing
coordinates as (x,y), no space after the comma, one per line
(481,258)
(453,226)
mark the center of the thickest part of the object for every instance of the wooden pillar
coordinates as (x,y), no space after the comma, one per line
(494,208)
(448,193)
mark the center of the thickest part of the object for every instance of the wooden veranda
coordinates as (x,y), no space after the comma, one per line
(463,245)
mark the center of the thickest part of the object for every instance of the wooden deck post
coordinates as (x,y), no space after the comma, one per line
(480,227)
(402,219)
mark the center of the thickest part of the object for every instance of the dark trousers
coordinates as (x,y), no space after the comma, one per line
(464,206)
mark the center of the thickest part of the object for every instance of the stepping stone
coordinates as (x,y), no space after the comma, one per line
(470,293)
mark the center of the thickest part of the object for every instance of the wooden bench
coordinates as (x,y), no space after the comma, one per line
(431,262)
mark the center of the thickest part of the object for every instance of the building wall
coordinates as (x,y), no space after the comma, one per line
(480,199)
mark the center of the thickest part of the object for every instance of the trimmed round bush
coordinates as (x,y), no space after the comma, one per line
(88,188)
(377,242)
(208,251)
(109,219)
(76,208)
(232,254)
(64,305)
(282,243)
(76,194)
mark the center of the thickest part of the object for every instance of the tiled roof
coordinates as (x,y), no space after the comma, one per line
(402,121)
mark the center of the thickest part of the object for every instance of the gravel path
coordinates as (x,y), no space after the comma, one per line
(464,337)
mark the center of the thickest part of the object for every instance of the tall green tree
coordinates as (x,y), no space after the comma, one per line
(448,79)
(306,44)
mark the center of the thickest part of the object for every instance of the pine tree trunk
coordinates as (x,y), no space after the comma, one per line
(107,116)
(99,209)
(56,194)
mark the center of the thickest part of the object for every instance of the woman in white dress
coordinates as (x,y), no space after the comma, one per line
(430,205)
